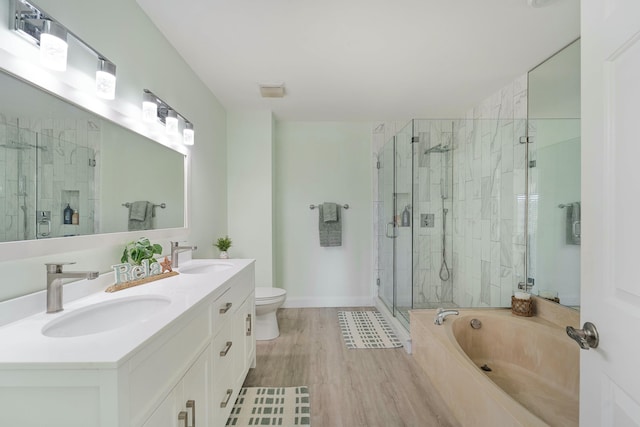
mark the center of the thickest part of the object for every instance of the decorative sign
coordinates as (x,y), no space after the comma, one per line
(128,273)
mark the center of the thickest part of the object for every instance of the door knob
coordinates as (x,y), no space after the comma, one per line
(587,337)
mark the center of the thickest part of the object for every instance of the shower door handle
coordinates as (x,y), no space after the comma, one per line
(393,230)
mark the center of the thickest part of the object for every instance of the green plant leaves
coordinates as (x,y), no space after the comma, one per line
(137,251)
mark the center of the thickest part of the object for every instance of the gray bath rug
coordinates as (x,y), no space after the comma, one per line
(366,329)
(271,406)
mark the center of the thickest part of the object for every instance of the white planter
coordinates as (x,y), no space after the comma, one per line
(224,255)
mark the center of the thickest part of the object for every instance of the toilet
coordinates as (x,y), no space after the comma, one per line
(268,300)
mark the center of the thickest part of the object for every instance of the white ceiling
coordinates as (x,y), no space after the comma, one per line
(362,59)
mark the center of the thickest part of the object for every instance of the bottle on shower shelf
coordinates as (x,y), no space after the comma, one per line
(406,217)
(67,214)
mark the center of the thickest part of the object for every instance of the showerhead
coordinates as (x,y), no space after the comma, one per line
(438,149)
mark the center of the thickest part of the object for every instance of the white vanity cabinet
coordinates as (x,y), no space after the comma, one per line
(192,365)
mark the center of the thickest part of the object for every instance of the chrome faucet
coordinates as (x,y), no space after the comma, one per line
(175,250)
(54,283)
(441,314)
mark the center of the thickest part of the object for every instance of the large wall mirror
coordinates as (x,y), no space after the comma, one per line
(553,262)
(54,154)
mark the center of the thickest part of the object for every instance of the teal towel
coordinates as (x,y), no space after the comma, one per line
(330,232)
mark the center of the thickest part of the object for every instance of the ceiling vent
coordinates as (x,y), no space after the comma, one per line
(272,90)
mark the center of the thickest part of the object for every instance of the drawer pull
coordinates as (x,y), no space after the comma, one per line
(226,349)
(226,308)
(249,325)
(183,416)
(224,403)
(192,404)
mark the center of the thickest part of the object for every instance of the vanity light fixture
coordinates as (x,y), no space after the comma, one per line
(38,27)
(53,46)
(155,109)
(188,134)
(106,79)
(171,122)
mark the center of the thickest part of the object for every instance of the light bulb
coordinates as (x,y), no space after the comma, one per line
(53,46)
(188,135)
(149,107)
(171,123)
(106,79)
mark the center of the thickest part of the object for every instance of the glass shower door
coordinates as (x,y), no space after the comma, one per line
(386,226)
(395,218)
(403,221)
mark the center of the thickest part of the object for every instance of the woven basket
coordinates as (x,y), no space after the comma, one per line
(521,307)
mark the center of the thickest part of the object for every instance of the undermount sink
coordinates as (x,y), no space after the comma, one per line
(106,316)
(204,268)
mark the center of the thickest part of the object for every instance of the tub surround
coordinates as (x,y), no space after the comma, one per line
(534,378)
(141,372)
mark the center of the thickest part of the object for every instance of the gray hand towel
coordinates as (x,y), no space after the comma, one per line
(138,211)
(330,232)
(146,223)
(572,224)
(330,212)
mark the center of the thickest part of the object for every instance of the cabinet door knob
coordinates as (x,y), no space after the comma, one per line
(224,403)
(192,404)
(182,416)
(226,308)
(249,325)
(226,349)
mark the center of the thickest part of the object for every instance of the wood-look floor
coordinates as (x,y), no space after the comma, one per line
(359,387)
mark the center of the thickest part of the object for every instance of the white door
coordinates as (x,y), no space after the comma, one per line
(610,374)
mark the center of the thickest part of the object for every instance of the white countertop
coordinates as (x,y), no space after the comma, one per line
(23,346)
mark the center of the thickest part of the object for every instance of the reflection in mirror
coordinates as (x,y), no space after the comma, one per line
(554,177)
(56,157)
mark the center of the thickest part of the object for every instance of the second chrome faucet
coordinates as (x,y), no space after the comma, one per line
(176,249)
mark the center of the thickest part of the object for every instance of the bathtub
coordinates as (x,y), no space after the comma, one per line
(534,367)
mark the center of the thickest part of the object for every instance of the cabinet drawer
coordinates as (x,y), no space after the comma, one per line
(222,311)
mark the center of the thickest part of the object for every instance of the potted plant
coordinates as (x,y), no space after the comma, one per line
(223,243)
(137,251)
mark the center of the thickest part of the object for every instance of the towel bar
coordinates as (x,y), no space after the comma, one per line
(345,206)
(161,205)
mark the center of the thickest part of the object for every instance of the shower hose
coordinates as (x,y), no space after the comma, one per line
(444,268)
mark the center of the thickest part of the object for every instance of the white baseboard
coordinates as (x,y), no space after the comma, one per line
(306,302)
(403,335)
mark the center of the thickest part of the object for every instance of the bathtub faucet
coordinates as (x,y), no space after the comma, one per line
(441,314)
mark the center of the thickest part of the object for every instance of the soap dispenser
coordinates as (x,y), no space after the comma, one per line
(68,213)
(406,217)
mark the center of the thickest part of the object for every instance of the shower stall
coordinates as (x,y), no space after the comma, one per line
(450,214)
(41,171)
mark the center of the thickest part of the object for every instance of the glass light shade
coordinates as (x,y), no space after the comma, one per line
(171,123)
(53,46)
(106,79)
(188,135)
(149,108)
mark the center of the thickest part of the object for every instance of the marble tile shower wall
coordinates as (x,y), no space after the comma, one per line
(62,154)
(484,176)
(489,199)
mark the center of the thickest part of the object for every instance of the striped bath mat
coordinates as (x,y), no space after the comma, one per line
(271,406)
(366,329)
